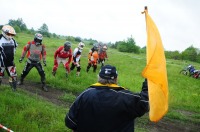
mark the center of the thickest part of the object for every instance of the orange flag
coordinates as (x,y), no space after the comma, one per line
(155,71)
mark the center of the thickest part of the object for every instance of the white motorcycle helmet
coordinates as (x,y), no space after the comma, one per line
(81,45)
(38,39)
(8,32)
(105,48)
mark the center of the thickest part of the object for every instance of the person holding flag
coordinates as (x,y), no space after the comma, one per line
(105,106)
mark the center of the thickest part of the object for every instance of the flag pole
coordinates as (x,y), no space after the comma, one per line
(145,9)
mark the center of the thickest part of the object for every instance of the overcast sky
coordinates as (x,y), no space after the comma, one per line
(111,20)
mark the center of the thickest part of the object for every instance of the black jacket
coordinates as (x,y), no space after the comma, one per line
(109,108)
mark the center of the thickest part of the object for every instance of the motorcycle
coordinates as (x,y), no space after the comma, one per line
(189,70)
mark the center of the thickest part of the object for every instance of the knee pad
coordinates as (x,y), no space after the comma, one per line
(79,69)
(12,71)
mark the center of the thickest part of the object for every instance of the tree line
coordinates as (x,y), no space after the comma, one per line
(191,53)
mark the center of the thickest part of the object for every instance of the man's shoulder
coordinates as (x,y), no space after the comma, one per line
(60,47)
(43,45)
(31,42)
(76,49)
(70,51)
(118,89)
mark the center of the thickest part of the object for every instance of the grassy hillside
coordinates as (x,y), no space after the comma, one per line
(22,112)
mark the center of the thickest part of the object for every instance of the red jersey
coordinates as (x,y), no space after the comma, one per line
(103,55)
(63,54)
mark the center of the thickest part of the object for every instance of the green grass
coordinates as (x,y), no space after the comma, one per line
(23,112)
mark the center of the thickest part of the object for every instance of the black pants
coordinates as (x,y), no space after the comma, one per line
(73,66)
(39,68)
(101,61)
(94,67)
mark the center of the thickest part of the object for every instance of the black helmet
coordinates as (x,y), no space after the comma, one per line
(100,44)
(95,46)
(38,38)
(67,46)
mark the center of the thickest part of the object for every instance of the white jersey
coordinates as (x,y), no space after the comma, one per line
(77,54)
(7,50)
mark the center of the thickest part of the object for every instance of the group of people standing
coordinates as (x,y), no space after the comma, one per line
(104,106)
(97,55)
(65,56)
(35,51)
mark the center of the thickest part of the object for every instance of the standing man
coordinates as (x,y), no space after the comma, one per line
(76,58)
(7,51)
(36,51)
(61,55)
(93,58)
(106,106)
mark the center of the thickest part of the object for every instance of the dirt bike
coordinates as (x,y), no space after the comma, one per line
(189,70)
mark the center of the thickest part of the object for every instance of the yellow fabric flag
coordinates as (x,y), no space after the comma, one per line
(155,71)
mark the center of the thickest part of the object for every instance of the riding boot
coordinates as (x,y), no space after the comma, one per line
(94,68)
(88,68)
(66,75)
(77,73)
(14,84)
(20,81)
(53,73)
(44,87)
